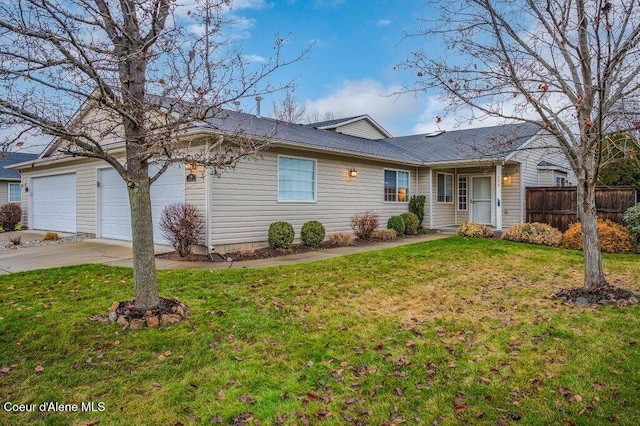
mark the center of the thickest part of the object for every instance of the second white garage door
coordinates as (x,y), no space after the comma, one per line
(115,214)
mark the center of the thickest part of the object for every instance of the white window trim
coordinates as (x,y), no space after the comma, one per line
(315,179)
(453,200)
(9,192)
(408,185)
(458,193)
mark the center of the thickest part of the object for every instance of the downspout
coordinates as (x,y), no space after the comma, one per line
(207,203)
(431,198)
(454,193)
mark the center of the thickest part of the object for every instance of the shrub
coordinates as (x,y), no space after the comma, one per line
(476,230)
(397,224)
(181,225)
(281,235)
(312,234)
(411,223)
(384,235)
(341,239)
(15,240)
(416,206)
(10,216)
(363,224)
(614,238)
(632,220)
(50,236)
(534,233)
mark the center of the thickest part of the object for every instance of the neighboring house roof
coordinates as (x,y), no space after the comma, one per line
(9,158)
(471,144)
(335,125)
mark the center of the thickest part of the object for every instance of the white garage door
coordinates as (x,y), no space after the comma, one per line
(54,202)
(115,213)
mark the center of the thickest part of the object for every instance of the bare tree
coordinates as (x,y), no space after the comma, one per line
(570,66)
(289,109)
(151,68)
(317,116)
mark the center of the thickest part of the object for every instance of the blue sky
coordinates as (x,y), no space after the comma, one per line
(350,69)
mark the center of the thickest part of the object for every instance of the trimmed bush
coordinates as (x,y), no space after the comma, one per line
(50,236)
(312,234)
(181,224)
(341,239)
(411,223)
(474,230)
(416,206)
(614,238)
(397,224)
(10,216)
(281,235)
(632,220)
(363,224)
(384,235)
(534,233)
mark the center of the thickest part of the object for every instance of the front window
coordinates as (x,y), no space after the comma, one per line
(14,193)
(396,186)
(445,188)
(560,179)
(296,179)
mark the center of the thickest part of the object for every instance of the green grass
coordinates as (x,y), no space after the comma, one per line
(455,330)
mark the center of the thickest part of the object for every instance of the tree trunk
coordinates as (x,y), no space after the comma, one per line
(593,271)
(144,262)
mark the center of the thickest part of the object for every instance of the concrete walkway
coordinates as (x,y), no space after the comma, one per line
(118,253)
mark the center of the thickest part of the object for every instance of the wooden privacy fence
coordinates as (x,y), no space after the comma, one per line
(558,206)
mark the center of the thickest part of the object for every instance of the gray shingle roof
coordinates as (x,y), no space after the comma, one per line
(460,145)
(471,144)
(233,121)
(330,123)
(9,158)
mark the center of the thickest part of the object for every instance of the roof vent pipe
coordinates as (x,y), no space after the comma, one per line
(237,104)
(258,99)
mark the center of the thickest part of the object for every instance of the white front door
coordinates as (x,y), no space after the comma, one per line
(481,199)
(115,213)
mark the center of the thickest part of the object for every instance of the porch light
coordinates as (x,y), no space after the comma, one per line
(353,172)
(506,179)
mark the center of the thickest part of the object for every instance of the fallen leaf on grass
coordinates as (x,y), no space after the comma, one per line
(39,369)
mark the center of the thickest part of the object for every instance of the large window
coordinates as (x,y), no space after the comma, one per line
(14,193)
(396,186)
(296,179)
(445,188)
(462,192)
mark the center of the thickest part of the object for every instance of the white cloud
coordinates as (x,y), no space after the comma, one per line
(255,58)
(368,96)
(384,22)
(247,4)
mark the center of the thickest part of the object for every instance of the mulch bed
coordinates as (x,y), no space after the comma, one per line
(607,295)
(261,253)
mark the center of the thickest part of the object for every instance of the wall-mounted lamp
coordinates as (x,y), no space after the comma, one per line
(353,172)
(506,179)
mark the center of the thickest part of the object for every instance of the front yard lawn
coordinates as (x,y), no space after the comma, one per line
(453,331)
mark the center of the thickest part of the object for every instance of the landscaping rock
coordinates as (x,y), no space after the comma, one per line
(137,324)
(168,319)
(113,316)
(582,301)
(122,321)
(153,322)
(114,306)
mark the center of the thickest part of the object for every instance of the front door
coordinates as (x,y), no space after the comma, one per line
(481,199)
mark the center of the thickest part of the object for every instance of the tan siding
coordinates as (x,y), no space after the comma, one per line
(195,193)
(4,192)
(244,201)
(424,189)
(511,201)
(361,129)
(443,213)
(541,148)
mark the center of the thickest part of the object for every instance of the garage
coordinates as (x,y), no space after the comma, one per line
(54,202)
(114,214)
